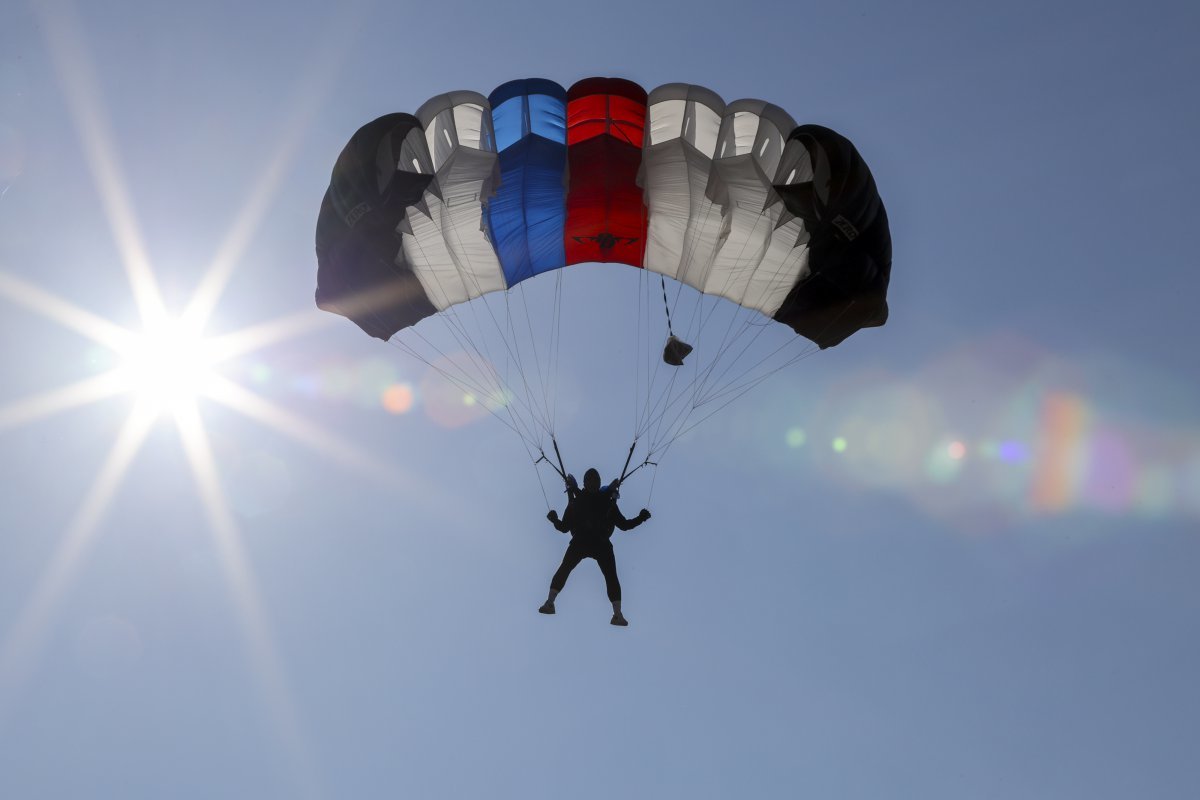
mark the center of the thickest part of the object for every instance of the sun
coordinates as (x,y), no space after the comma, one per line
(168,365)
(171,369)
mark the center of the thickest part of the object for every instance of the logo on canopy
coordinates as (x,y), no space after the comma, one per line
(606,240)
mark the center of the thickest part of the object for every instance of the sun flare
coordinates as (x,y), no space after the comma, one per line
(168,365)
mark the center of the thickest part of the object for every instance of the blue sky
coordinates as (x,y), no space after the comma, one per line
(989,592)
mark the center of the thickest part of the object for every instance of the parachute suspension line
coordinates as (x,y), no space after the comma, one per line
(674,427)
(714,382)
(560,468)
(533,408)
(551,372)
(459,331)
(517,358)
(724,292)
(651,376)
(513,350)
(470,384)
(678,427)
(542,379)
(666,306)
(485,357)
(682,430)
(706,384)
(643,355)
(718,383)
(523,359)
(810,350)
(542,457)
(556,342)
(701,390)
(644,419)
(537,472)
(516,423)
(407,348)
(747,322)
(665,399)
(652,364)
(638,350)
(482,366)
(721,385)
(542,486)
(644,411)
(655,396)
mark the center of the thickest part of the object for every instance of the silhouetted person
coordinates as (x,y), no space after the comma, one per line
(590,517)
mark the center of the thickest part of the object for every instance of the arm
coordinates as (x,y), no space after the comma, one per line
(628,524)
(561,525)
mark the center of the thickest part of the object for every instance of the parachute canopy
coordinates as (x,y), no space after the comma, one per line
(475,194)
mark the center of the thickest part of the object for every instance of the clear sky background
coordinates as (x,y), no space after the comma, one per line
(990,592)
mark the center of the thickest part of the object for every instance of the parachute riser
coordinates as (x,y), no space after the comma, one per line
(561,474)
(646,463)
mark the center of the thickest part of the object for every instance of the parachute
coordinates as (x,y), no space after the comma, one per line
(752,218)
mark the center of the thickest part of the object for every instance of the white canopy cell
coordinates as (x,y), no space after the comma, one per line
(448,248)
(684,226)
(750,268)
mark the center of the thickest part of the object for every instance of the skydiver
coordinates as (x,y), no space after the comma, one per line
(590,517)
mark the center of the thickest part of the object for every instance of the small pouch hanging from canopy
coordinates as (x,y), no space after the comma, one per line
(676,351)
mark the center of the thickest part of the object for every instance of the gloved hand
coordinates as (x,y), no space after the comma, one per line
(571,484)
(552,515)
(644,514)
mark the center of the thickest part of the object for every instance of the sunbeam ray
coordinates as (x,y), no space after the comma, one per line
(244,401)
(251,615)
(24,640)
(208,293)
(256,337)
(69,53)
(66,314)
(301,430)
(58,400)
(311,91)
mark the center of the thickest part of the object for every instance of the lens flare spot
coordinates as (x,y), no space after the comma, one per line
(956,450)
(444,398)
(1012,452)
(498,400)
(942,466)
(398,398)
(1153,492)
(1064,428)
(839,445)
(795,437)
(1110,479)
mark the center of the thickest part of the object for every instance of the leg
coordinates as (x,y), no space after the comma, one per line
(608,565)
(570,560)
